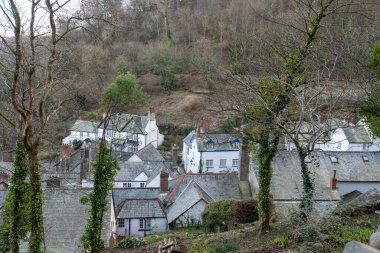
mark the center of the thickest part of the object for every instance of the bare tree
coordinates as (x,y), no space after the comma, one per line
(30,56)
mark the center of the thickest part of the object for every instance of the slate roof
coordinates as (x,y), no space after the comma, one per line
(124,122)
(351,166)
(357,134)
(6,168)
(218,141)
(119,195)
(286,181)
(216,185)
(65,218)
(85,126)
(3,195)
(141,208)
(130,170)
(192,194)
(150,153)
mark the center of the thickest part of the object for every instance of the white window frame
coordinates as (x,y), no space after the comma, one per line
(148,223)
(209,163)
(120,223)
(235,162)
(142,185)
(127,185)
(236,144)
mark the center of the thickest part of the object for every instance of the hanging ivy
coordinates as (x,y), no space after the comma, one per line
(104,170)
(16,210)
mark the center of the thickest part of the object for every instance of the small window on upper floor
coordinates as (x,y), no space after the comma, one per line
(209,163)
(142,185)
(235,162)
(236,144)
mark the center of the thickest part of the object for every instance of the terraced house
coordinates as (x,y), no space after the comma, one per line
(211,152)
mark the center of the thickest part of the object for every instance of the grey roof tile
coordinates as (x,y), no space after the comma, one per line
(130,170)
(286,181)
(351,166)
(141,208)
(120,195)
(357,134)
(150,153)
(126,123)
(85,126)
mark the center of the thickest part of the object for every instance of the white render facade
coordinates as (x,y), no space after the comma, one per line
(357,138)
(144,130)
(139,227)
(212,158)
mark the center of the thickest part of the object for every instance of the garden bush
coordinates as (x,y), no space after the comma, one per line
(128,243)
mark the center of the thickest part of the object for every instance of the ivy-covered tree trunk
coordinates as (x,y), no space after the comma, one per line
(36,202)
(307,183)
(266,153)
(104,170)
(17,202)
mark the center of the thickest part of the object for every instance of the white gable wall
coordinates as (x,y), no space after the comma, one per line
(141,177)
(134,158)
(192,216)
(153,133)
(191,157)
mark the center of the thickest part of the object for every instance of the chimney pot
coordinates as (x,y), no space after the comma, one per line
(151,114)
(206,124)
(333,180)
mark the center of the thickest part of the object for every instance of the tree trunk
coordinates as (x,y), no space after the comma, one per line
(36,202)
(307,183)
(267,151)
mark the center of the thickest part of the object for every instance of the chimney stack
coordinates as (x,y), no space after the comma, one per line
(333,180)
(164,180)
(151,114)
(244,159)
(65,151)
(206,124)
(175,154)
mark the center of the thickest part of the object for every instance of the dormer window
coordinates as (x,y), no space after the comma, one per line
(236,143)
(210,144)
(333,159)
(307,159)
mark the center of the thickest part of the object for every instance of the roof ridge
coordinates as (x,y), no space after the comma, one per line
(201,191)
(168,198)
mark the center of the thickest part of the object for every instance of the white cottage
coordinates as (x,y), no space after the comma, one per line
(81,130)
(211,152)
(137,212)
(340,136)
(125,132)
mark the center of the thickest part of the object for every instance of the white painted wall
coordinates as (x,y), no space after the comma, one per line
(339,142)
(124,184)
(76,135)
(134,158)
(216,157)
(347,187)
(158,225)
(191,157)
(193,216)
